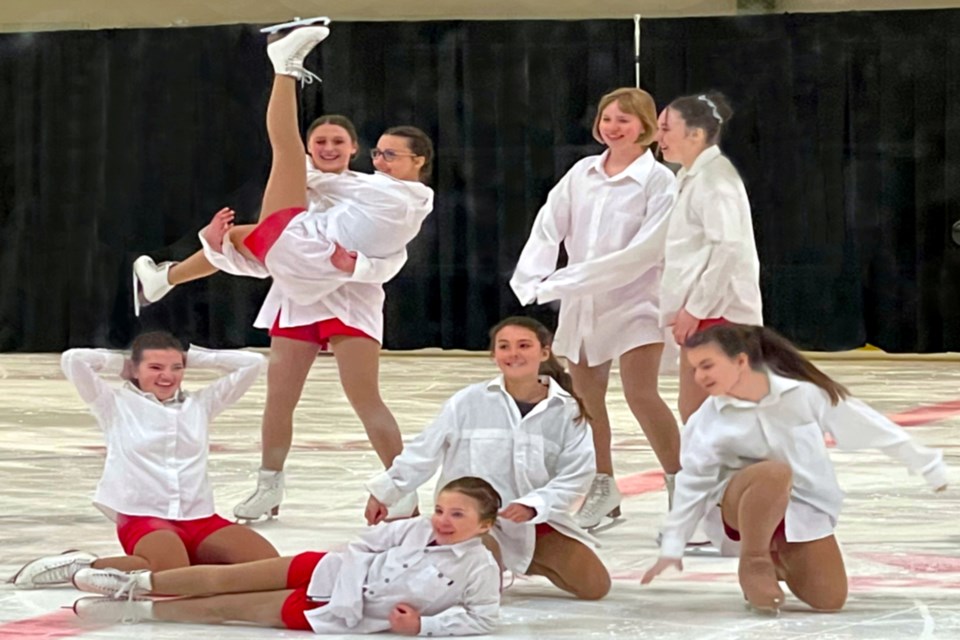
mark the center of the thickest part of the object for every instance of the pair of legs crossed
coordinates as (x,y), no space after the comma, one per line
(754,505)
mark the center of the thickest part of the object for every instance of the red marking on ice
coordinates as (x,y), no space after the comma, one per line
(50,626)
(916,562)
(639,483)
(926,414)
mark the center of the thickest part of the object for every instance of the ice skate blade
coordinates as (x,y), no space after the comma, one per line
(770,612)
(273,513)
(297,22)
(610,523)
(704,550)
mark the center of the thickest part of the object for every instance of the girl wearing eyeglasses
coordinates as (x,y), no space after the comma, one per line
(329,238)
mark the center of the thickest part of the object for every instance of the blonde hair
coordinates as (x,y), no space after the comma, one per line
(635,102)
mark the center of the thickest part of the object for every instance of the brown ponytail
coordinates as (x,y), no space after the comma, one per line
(767,348)
(549,367)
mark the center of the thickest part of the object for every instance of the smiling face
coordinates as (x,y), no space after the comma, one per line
(678,143)
(619,129)
(518,353)
(456,518)
(160,372)
(715,371)
(394,157)
(331,148)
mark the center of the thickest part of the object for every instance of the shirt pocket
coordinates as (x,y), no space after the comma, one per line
(491,451)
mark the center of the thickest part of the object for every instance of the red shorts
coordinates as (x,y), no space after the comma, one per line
(298,603)
(706,323)
(317,332)
(733,534)
(268,231)
(542,529)
(131,529)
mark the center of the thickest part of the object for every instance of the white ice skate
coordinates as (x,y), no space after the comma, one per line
(111,611)
(113,582)
(405,507)
(150,282)
(51,570)
(601,508)
(265,501)
(323,21)
(288,52)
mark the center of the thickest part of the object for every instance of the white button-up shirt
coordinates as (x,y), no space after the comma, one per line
(456,588)
(711,269)
(609,303)
(726,435)
(157,452)
(544,460)
(361,212)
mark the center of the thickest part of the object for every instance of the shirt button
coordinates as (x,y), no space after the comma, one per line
(386,580)
(405,565)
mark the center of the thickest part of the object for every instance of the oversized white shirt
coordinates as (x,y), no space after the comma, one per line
(456,588)
(607,308)
(376,212)
(726,435)
(156,461)
(544,460)
(711,268)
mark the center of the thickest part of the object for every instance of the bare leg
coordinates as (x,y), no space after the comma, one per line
(754,504)
(235,545)
(204,580)
(290,362)
(156,551)
(639,371)
(193,268)
(260,608)
(814,571)
(590,383)
(570,565)
(358,360)
(287,184)
(691,395)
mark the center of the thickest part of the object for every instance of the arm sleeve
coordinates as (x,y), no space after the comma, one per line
(241,370)
(478,612)
(539,256)
(418,461)
(229,260)
(724,231)
(576,467)
(644,252)
(854,425)
(698,476)
(305,274)
(83,367)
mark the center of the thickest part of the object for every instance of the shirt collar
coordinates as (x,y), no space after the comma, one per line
(638,170)
(177,399)
(554,390)
(706,156)
(460,548)
(778,386)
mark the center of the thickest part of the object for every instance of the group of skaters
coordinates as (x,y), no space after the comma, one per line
(524,459)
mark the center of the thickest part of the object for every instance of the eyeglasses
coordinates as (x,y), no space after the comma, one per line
(389,155)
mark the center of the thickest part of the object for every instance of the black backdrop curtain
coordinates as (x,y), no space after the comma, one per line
(117,143)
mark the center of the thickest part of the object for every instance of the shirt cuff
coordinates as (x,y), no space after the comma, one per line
(938,476)
(383,488)
(672,547)
(429,627)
